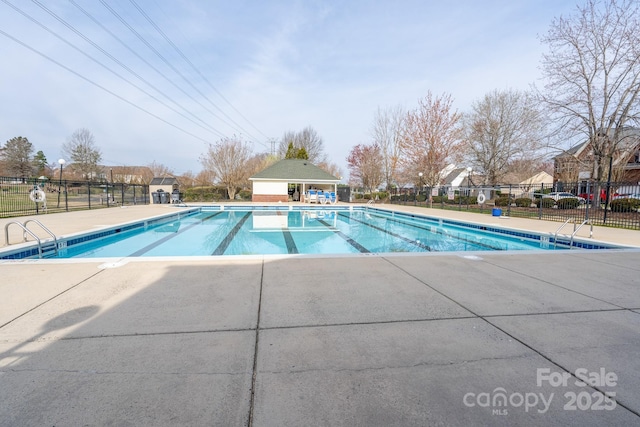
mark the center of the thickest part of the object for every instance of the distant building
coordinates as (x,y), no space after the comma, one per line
(576,164)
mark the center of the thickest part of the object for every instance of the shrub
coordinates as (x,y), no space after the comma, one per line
(358,196)
(438,199)
(523,202)
(625,205)
(568,203)
(204,194)
(245,194)
(546,202)
(501,201)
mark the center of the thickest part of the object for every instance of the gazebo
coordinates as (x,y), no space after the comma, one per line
(273,184)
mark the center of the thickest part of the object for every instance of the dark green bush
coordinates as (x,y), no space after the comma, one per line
(523,202)
(546,202)
(568,203)
(625,205)
(245,194)
(502,201)
(204,194)
(438,199)
(358,196)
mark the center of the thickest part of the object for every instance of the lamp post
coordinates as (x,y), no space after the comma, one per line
(61,162)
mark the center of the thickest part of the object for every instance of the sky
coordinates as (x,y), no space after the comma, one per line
(160,80)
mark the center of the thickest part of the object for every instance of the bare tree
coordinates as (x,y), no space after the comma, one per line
(431,137)
(159,170)
(255,164)
(365,166)
(593,74)
(226,160)
(502,129)
(16,156)
(308,139)
(387,133)
(85,156)
(331,168)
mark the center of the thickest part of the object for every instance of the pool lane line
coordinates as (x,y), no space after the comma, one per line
(157,243)
(397,236)
(436,231)
(288,239)
(348,239)
(229,237)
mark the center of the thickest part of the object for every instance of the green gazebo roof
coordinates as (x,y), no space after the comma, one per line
(294,170)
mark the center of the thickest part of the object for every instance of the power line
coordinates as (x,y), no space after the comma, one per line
(99,86)
(35,21)
(154,50)
(188,61)
(126,46)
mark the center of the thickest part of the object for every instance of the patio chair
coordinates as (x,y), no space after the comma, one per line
(312,196)
(331,198)
(321,197)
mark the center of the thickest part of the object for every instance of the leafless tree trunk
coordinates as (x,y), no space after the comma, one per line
(593,74)
(387,133)
(431,136)
(502,128)
(227,160)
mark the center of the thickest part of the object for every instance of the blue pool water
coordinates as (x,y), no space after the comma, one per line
(230,231)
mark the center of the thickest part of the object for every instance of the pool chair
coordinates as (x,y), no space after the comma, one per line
(331,198)
(321,197)
(312,196)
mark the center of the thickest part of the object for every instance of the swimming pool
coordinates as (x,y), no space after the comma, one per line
(242,230)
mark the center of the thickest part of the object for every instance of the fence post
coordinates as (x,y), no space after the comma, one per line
(122,194)
(89,193)
(593,200)
(540,201)
(66,196)
(509,203)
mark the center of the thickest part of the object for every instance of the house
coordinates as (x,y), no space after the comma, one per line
(455,177)
(576,164)
(290,179)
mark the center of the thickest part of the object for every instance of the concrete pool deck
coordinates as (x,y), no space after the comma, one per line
(376,340)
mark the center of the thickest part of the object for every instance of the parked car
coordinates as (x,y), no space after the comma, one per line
(603,196)
(561,195)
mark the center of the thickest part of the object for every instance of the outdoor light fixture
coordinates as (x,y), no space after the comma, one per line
(61,162)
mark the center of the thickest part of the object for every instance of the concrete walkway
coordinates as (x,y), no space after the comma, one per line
(448,339)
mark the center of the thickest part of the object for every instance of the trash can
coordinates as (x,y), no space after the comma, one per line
(156,198)
(496,212)
(164,197)
(175,197)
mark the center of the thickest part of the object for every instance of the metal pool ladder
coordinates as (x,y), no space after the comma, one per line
(576,228)
(25,231)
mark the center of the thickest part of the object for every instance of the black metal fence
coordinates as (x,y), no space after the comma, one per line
(34,197)
(612,204)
